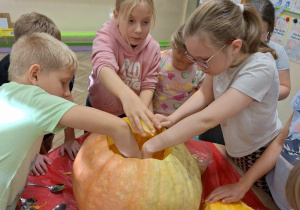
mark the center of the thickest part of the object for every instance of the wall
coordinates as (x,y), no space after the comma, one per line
(89,15)
(191,6)
(284,107)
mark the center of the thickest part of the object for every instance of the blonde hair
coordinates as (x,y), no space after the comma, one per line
(177,42)
(34,22)
(42,49)
(223,20)
(124,8)
(292,188)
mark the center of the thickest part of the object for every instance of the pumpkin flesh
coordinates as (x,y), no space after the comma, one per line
(240,205)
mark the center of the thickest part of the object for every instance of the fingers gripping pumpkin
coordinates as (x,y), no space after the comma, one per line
(103,179)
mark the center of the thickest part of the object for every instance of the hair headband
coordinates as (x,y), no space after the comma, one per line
(241,6)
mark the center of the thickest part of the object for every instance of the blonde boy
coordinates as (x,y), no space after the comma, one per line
(40,70)
(26,24)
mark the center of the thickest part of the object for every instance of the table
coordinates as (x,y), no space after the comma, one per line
(221,170)
(264,197)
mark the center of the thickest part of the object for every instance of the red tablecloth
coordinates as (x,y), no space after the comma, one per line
(218,173)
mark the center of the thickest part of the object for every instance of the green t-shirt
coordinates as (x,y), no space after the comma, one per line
(26,113)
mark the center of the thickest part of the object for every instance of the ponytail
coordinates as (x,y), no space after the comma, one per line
(224,20)
(265,48)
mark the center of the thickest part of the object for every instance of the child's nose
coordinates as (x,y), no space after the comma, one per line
(138,28)
(67,92)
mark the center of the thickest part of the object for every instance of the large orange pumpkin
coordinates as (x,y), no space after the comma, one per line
(104,179)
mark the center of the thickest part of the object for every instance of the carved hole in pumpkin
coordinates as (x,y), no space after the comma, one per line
(140,140)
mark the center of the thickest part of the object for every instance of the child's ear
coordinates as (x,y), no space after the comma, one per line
(33,74)
(236,46)
(116,17)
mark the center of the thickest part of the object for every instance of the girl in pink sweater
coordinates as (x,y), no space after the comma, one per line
(125,61)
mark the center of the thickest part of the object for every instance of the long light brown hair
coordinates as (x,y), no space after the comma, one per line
(223,20)
(293,187)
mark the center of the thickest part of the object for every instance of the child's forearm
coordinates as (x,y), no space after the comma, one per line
(285,84)
(262,166)
(177,134)
(150,107)
(268,159)
(113,83)
(93,120)
(90,119)
(198,101)
(191,106)
(146,96)
(69,134)
(284,92)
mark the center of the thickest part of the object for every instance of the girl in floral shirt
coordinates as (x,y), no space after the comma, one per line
(178,78)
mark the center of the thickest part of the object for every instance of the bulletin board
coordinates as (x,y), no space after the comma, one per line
(287,5)
(287,28)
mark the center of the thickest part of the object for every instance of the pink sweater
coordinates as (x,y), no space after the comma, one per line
(137,67)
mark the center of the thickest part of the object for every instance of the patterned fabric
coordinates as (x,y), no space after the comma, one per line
(290,155)
(174,86)
(246,162)
(291,147)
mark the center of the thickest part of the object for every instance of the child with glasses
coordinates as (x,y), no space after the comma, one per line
(178,77)
(240,92)
(267,13)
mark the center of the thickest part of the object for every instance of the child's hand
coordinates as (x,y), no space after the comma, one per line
(136,110)
(145,152)
(72,147)
(40,167)
(164,120)
(125,141)
(227,193)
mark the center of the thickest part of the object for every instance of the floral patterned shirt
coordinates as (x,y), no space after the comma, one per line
(174,87)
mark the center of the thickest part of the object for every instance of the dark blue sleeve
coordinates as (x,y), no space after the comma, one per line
(4,64)
(72,83)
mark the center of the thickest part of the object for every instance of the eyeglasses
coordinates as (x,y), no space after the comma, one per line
(203,63)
